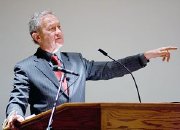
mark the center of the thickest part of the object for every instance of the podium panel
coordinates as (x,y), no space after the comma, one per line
(140,116)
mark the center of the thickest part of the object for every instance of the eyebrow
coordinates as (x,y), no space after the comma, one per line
(50,25)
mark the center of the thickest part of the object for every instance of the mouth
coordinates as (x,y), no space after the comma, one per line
(59,37)
(59,40)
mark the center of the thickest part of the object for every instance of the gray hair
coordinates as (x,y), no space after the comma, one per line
(34,22)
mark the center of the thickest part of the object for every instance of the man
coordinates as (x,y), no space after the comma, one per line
(35,81)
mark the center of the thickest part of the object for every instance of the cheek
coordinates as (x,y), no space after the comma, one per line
(52,37)
(49,37)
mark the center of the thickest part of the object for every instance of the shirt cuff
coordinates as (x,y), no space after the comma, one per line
(143,60)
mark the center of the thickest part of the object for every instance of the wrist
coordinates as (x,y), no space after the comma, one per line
(147,56)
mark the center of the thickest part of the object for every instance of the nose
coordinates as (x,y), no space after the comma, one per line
(58,30)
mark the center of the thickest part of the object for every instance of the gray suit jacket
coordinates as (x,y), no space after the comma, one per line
(35,82)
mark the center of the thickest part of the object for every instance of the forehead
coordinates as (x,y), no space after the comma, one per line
(48,20)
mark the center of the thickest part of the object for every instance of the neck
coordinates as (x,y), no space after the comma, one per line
(52,50)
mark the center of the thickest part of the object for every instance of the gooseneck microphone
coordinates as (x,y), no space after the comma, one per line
(58,68)
(106,54)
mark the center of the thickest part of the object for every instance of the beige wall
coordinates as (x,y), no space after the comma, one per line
(121,27)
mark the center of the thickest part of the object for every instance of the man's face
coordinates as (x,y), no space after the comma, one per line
(50,34)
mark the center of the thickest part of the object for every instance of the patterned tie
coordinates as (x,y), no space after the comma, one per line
(58,74)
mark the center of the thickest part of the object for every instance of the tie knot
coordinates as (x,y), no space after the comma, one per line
(55,60)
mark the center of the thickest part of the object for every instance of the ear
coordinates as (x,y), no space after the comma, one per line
(36,37)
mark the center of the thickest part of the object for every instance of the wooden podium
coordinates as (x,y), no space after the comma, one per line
(109,116)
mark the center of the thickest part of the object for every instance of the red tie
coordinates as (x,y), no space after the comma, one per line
(58,74)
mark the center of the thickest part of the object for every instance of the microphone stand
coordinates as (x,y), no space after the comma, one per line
(104,53)
(49,127)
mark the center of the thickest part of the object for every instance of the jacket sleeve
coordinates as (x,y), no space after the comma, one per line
(18,101)
(111,69)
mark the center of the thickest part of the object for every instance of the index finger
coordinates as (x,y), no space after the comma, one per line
(168,48)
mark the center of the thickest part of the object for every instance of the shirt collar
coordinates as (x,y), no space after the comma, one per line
(48,55)
(58,53)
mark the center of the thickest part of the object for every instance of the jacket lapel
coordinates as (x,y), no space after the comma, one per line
(46,69)
(41,63)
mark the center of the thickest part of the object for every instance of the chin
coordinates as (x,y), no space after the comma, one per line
(57,48)
(60,45)
(59,41)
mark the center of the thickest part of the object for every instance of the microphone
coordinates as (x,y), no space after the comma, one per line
(58,68)
(106,54)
